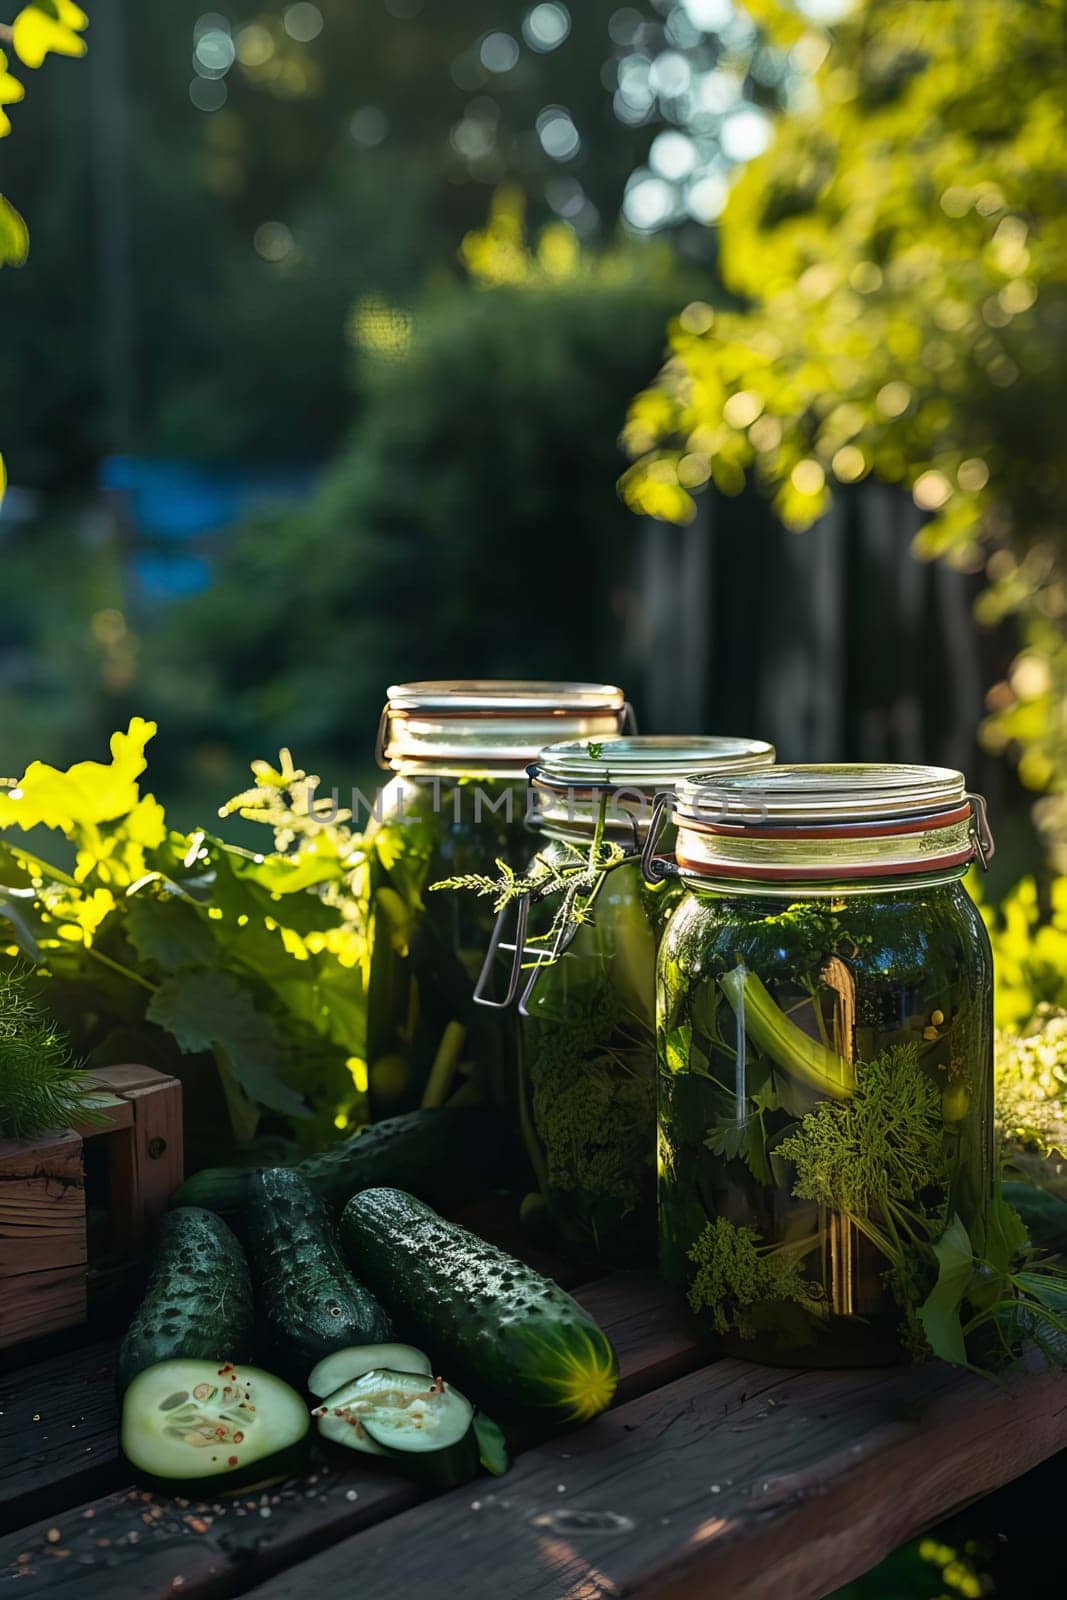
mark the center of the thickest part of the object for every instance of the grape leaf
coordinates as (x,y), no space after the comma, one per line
(170,932)
(86,794)
(212,1011)
(940,1311)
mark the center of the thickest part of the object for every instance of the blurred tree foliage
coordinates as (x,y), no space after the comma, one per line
(280,160)
(464,525)
(901,252)
(39,29)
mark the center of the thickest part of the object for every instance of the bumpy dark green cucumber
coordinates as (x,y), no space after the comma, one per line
(310,1301)
(198,1301)
(441,1155)
(494,1325)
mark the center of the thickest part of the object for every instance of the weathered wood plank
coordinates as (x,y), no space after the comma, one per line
(129,1546)
(58,1438)
(735,1480)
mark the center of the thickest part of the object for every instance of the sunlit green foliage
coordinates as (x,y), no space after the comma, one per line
(159,944)
(901,250)
(1031,1084)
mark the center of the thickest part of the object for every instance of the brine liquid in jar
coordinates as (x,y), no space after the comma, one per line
(825,1057)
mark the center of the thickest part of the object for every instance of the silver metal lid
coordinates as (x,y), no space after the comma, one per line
(576,780)
(470,725)
(646,761)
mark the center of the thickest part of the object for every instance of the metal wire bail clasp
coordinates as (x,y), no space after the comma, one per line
(981,833)
(655,868)
(536,959)
(496,944)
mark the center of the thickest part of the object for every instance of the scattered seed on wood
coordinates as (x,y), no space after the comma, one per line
(53,1536)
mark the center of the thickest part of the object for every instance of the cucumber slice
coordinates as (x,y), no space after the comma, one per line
(403,1412)
(206,1419)
(345,1366)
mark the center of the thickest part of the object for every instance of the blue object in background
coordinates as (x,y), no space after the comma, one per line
(175,510)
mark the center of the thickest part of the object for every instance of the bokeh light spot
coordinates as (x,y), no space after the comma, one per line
(807,477)
(498,52)
(706,197)
(302,21)
(893,399)
(208,94)
(673,155)
(972,475)
(742,408)
(273,241)
(849,463)
(557,133)
(214,53)
(368,126)
(745,134)
(698,317)
(546,27)
(255,46)
(930,490)
(649,202)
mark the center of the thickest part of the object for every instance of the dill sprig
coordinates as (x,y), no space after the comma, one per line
(576,876)
(42,1086)
(870,1157)
(736,1273)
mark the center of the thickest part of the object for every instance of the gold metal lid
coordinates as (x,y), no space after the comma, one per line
(498,726)
(797,824)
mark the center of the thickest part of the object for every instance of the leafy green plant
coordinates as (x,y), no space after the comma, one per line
(42,1085)
(164,945)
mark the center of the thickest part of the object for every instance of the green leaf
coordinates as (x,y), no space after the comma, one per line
(940,1312)
(211,1011)
(15,906)
(492,1445)
(86,794)
(170,932)
(1006,1238)
(14,236)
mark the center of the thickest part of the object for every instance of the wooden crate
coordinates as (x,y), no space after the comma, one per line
(48,1271)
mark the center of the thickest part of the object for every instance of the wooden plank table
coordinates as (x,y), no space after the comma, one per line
(723,1478)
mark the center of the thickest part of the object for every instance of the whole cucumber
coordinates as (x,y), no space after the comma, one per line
(442,1155)
(198,1301)
(505,1333)
(310,1302)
